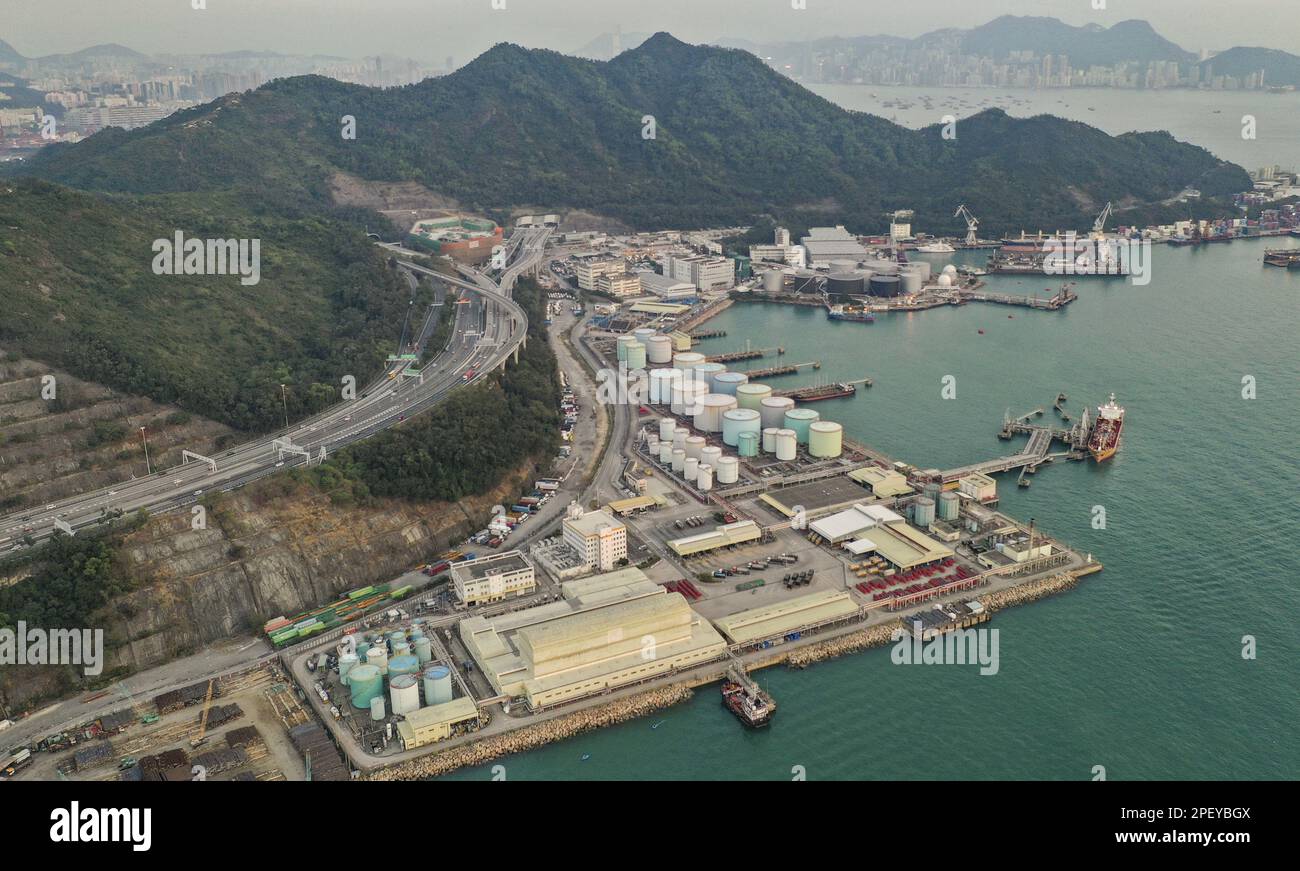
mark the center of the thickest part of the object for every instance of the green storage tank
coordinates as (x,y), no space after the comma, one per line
(366,683)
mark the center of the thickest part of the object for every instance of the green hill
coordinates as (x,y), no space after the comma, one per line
(1088,45)
(80,293)
(734,140)
(1279,67)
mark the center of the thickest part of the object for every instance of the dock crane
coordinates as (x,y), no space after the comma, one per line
(1099,225)
(972,223)
(203,718)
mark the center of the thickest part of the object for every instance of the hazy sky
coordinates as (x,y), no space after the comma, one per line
(433,29)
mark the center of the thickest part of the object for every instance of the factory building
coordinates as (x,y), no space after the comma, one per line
(884,483)
(619,285)
(874,528)
(728,535)
(493,578)
(790,615)
(607,632)
(825,244)
(665,288)
(588,270)
(979,487)
(436,722)
(599,539)
(705,273)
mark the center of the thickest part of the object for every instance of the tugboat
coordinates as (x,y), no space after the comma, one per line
(1105,432)
(753,707)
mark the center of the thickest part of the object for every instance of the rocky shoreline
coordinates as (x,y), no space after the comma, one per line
(1030,591)
(532,737)
(875,636)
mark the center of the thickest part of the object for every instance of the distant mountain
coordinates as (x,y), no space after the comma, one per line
(107,50)
(9,54)
(1280,67)
(1086,46)
(733,140)
(609,45)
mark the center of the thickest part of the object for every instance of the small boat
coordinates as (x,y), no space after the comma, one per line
(981,332)
(586,756)
(657,725)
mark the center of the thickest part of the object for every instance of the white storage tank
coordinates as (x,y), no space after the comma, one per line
(752,395)
(667,426)
(704,478)
(665,452)
(377,708)
(679,436)
(773,281)
(679,460)
(706,372)
(735,422)
(687,396)
(825,439)
(636,357)
(712,407)
(769,438)
(405,694)
(729,382)
(378,656)
(687,360)
(347,662)
(690,469)
(727,470)
(621,345)
(710,455)
(787,444)
(695,446)
(659,349)
(437,685)
(643,333)
(773,409)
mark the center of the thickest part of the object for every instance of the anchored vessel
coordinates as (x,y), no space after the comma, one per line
(752,706)
(1105,432)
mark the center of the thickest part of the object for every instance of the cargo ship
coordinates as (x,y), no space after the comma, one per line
(851,313)
(814,394)
(753,707)
(1105,432)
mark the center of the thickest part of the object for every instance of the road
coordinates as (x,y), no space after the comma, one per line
(488,330)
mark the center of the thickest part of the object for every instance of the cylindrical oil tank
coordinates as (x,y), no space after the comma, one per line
(665,452)
(694,447)
(843,264)
(667,426)
(680,435)
(690,468)
(799,419)
(910,282)
(787,444)
(679,460)
(620,347)
(404,664)
(706,372)
(931,490)
(773,281)
(378,657)
(710,455)
(885,267)
(404,693)
(736,421)
(664,384)
(636,357)
(686,397)
(365,682)
(752,395)
(643,333)
(424,650)
(401,648)
(747,444)
(923,511)
(687,360)
(377,708)
(846,284)
(362,648)
(949,506)
(711,409)
(728,382)
(347,662)
(804,281)
(652,443)
(884,285)
(659,349)
(825,439)
(773,409)
(437,685)
(769,438)
(704,478)
(727,470)
(921,266)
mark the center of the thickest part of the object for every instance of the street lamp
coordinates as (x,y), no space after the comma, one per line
(145,438)
(285,401)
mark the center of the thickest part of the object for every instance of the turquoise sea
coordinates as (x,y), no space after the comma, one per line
(1140,669)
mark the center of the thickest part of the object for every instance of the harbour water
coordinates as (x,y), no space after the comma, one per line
(1140,668)
(1211,119)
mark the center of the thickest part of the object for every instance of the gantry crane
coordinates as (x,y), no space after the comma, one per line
(1099,225)
(972,223)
